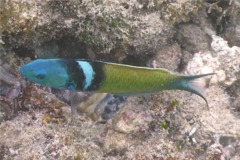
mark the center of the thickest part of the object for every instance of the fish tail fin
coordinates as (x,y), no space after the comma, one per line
(191,84)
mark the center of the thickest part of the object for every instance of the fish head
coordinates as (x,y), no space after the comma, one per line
(45,72)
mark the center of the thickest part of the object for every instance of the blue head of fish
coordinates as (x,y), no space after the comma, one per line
(46,72)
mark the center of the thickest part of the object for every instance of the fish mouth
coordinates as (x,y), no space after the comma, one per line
(22,70)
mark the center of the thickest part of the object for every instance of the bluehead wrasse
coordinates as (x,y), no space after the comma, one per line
(105,77)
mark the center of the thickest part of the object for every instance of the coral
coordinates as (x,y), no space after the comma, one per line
(225,19)
(224,61)
(10,87)
(185,36)
(104,26)
(178,12)
(99,27)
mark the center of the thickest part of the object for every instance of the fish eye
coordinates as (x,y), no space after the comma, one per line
(41,76)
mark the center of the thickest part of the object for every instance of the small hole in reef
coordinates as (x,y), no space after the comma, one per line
(24,52)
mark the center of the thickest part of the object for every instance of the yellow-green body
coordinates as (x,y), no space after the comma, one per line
(127,79)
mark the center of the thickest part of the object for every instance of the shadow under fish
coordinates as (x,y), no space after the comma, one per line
(99,107)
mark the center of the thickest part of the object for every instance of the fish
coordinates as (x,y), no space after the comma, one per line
(106,77)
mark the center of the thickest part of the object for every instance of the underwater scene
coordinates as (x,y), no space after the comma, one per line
(120,80)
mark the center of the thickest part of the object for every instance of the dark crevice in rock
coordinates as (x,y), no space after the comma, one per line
(23,51)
